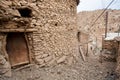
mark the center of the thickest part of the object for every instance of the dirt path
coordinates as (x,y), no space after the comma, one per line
(91,69)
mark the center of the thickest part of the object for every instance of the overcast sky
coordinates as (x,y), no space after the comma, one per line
(87,5)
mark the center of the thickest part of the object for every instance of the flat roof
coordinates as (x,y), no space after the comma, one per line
(111,36)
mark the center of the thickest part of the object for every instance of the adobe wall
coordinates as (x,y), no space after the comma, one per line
(54,40)
(83,42)
(85,21)
(117,70)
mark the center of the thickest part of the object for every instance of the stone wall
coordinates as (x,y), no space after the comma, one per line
(83,42)
(5,68)
(56,41)
(49,26)
(117,70)
(86,20)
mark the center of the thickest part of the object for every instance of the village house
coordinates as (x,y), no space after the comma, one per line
(42,32)
(104,35)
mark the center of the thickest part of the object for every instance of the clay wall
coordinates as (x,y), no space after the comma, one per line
(83,42)
(86,20)
(49,27)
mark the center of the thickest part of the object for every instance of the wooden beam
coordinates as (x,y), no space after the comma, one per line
(106,27)
(29,50)
(82,54)
(18,30)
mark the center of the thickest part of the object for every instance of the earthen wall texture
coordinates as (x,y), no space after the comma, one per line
(117,70)
(86,24)
(55,40)
(83,42)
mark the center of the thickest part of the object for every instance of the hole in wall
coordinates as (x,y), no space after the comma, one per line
(71,6)
(110,29)
(25,12)
(78,36)
(56,24)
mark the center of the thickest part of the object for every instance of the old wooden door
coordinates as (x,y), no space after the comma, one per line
(17,49)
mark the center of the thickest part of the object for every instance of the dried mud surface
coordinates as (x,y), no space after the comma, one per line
(91,69)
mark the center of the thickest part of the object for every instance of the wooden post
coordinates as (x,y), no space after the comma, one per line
(18,30)
(87,50)
(82,54)
(106,24)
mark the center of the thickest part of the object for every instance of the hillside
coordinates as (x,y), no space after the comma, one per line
(86,20)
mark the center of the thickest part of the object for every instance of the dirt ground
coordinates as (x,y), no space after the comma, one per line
(91,69)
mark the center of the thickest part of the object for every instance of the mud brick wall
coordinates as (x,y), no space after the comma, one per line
(55,40)
(5,68)
(109,45)
(117,70)
(83,41)
(85,21)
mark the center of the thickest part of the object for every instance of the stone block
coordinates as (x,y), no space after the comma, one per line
(45,55)
(5,67)
(48,59)
(62,59)
(39,61)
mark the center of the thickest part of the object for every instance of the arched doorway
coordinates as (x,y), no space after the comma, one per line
(17,49)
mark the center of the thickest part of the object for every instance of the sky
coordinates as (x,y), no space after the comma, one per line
(88,5)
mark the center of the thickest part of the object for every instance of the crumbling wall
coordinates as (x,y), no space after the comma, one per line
(5,68)
(117,70)
(83,42)
(54,39)
(110,45)
(86,23)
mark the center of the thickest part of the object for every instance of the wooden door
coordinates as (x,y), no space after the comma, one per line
(17,49)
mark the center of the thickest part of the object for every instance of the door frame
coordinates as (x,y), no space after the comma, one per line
(4,43)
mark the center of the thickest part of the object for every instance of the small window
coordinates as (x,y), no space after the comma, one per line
(25,12)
